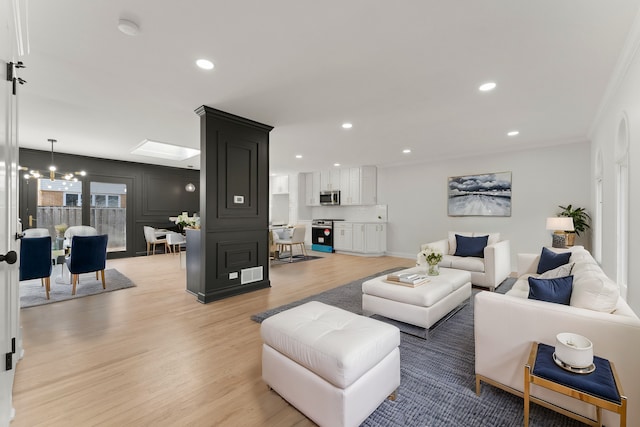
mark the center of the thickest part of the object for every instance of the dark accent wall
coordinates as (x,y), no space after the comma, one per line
(235,205)
(154,193)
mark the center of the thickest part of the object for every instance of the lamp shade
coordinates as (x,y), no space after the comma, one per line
(560,223)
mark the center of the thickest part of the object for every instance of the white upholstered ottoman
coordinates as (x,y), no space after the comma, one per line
(421,306)
(334,366)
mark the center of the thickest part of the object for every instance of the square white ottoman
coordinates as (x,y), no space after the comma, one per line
(334,366)
(421,306)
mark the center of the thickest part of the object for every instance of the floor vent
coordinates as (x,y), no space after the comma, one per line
(250,275)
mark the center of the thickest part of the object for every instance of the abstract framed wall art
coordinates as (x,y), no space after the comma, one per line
(487,194)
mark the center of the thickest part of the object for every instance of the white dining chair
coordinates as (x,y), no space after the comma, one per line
(35,232)
(175,241)
(153,240)
(296,239)
(78,230)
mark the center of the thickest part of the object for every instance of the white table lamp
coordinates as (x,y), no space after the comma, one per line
(560,225)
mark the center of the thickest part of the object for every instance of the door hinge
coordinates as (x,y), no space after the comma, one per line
(13,345)
(11,75)
(8,362)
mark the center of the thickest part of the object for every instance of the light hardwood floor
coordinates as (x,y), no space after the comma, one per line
(153,355)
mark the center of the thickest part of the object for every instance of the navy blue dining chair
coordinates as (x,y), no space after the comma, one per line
(88,254)
(35,260)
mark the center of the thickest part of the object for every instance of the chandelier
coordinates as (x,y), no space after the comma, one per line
(53,170)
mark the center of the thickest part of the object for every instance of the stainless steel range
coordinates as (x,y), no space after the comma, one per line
(322,234)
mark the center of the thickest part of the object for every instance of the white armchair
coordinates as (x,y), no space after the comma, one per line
(489,271)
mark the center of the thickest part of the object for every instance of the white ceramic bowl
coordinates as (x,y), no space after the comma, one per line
(574,350)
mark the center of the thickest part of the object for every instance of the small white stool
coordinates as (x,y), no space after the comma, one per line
(335,366)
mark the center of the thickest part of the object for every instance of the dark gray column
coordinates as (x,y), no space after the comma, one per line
(234,206)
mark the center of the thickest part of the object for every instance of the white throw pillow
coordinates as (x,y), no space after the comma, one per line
(582,256)
(452,239)
(592,289)
(493,237)
(562,271)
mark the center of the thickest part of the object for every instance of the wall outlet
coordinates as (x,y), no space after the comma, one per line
(238,199)
(233,275)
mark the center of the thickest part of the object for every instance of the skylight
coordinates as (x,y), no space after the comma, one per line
(162,150)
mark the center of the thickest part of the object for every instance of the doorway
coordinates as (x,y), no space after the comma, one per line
(108,212)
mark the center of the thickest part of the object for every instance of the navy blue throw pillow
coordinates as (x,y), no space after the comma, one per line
(556,290)
(470,246)
(550,260)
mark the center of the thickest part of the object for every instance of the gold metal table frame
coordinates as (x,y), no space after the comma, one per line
(599,403)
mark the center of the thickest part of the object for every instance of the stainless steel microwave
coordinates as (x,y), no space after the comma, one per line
(329,198)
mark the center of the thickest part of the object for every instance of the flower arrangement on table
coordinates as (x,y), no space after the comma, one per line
(60,229)
(184,221)
(432,257)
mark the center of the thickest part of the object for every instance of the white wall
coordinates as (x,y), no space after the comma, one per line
(542,179)
(624,99)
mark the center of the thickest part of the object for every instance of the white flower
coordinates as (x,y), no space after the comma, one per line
(429,256)
(184,220)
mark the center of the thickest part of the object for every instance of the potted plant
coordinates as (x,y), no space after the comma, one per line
(581,221)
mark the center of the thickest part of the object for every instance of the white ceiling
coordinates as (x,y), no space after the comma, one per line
(404,73)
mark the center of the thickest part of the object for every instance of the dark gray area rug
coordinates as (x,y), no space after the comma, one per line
(32,293)
(437,386)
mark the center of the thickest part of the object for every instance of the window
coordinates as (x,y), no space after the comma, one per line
(622,206)
(59,202)
(72,199)
(597,226)
(105,201)
(108,213)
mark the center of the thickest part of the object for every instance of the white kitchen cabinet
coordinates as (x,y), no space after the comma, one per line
(330,180)
(280,184)
(343,236)
(368,185)
(369,238)
(350,186)
(375,238)
(358,186)
(312,189)
(358,237)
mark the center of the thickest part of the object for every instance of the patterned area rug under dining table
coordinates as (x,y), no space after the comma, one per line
(32,293)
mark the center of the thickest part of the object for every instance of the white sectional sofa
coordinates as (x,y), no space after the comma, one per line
(506,325)
(488,271)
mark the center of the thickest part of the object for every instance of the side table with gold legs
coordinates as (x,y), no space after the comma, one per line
(600,388)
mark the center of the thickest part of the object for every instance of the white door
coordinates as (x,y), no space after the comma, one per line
(10,342)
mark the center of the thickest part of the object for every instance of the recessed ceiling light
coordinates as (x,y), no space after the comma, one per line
(162,150)
(298,156)
(406,151)
(347,126)
(513,133)
(336,164)
(127,27)
(205,64)
(487,86)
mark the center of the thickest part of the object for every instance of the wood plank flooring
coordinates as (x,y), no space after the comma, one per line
(153,356)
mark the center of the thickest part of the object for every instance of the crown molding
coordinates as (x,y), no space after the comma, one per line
(627,56)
